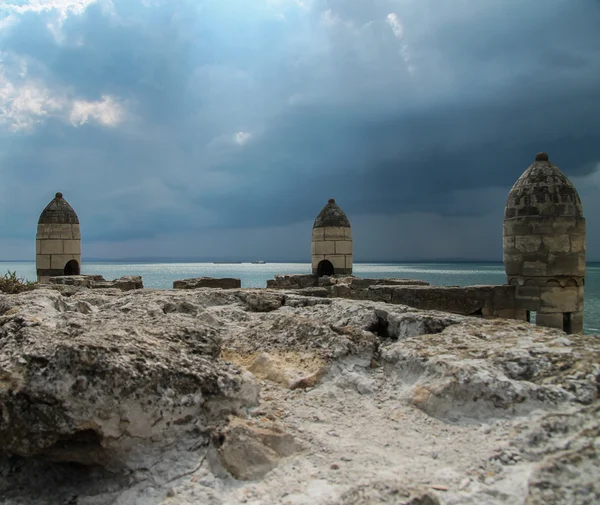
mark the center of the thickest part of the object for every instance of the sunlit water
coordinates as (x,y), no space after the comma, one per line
(162,275)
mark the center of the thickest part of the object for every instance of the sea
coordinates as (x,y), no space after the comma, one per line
(162,275)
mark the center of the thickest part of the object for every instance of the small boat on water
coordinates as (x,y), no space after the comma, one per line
(258,262)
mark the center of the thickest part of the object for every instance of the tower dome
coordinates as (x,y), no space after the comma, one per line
(544,245)
(58,240)
(58,211)
(543,190)
(331,215)
(331,242)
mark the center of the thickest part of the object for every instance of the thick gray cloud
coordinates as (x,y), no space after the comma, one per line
(207,128)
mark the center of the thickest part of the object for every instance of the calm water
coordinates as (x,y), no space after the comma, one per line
(162,275)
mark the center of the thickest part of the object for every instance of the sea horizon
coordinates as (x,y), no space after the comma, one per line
(210,260)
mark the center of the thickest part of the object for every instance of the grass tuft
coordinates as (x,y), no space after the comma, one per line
(11,284)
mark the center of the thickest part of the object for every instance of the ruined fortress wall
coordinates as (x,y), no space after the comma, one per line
(492,301)
(545,248)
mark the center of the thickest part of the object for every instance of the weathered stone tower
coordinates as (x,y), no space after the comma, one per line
(331,242)
(544,246)
(58,240)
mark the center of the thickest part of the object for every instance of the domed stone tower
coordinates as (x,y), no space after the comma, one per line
(331,242)
(544,246)
(58,240)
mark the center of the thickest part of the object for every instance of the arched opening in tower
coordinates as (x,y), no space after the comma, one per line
(325,267)
(72,268)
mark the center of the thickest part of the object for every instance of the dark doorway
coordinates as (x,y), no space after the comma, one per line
(325,268)
(72,268)
(567,323)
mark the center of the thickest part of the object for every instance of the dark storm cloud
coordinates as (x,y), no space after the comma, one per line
(236,114)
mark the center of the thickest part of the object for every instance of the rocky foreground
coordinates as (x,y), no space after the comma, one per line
(257,396)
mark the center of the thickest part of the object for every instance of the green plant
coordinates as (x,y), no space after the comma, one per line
(10,283)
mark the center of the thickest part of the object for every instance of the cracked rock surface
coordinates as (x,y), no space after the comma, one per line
(256,396)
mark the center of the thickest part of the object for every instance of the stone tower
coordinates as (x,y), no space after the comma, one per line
(544,246)
(331,242)
(58,240)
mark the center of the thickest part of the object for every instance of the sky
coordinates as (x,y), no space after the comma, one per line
(218,129)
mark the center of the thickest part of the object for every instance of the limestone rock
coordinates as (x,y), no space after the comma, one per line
(258,301)
(494,368)
(284,281)
(76,280)
(565,447)
(125,283)
(362,283)
(208,282)
(249,450)
(165,384)
(386,492)
(85,379)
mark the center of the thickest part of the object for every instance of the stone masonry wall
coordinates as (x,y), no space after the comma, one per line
(486,301)
(56,245)
(545,261)
(333,244)
(545,247)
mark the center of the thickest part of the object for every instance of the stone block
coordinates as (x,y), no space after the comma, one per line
(528,243)
(546,226)
(42,261)
(566,264)
(41,231)
(568,225)
(51,246)
(76,280)
(293,281)
(318,234)
(72,246)
(76,232)
(325,247)
(54,230)
(38,247)
(338,261)
(349,261)
(208,282)
(335,233)
(508,243)
(316,259)
(513,264)
(549,320)
(516,227)
(125,283)
(527,291)
(578,243)
(557,243)
(58,261)
(558,299)
(343,247)
(534,268)
(577,322)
